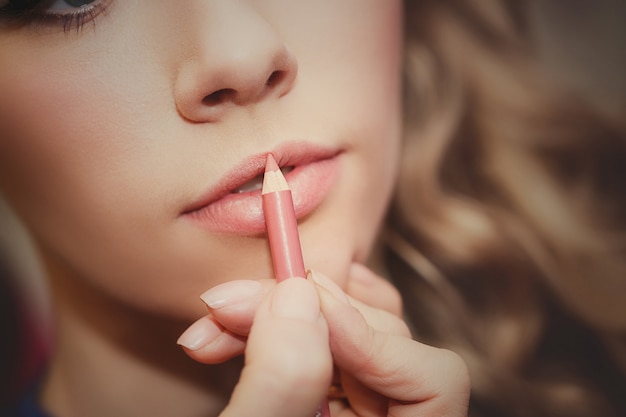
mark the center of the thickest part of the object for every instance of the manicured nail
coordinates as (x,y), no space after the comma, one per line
(230,293)
(295,298)
(199,334)
(328,284)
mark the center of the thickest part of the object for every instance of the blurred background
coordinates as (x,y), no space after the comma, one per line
(583,43)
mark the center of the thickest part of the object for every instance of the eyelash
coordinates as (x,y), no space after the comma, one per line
(79,18)
(36,14)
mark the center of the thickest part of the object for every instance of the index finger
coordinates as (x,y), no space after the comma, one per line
(420,380)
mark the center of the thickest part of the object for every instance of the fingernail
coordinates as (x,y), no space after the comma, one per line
(230,293)
(328,284)
(295,298)
(199,334)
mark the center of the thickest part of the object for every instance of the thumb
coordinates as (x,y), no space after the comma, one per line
(288,364)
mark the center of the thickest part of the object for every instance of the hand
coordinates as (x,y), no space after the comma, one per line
(383,371)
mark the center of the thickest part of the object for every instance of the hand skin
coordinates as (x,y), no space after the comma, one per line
(293,333)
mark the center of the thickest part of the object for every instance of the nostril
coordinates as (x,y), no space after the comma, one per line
(219,97)
(233,95)
(275,78)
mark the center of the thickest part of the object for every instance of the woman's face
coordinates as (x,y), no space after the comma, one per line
(130,139)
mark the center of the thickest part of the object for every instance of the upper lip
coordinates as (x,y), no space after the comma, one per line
(289,154)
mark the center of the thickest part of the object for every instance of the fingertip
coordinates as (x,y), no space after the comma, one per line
(232,293)
(206,341)
(374,290)
(365,277)
(329,285)
(363,274)
(233,304)
(199,334)
(295,298)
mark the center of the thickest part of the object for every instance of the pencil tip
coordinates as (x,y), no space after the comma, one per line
(273,179)
(270,164)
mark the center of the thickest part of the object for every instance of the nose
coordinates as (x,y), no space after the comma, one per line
(238,60)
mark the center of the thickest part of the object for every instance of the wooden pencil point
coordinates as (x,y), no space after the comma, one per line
(270,163)
(273,179)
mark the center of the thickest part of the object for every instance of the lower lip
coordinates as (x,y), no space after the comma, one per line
(242,213)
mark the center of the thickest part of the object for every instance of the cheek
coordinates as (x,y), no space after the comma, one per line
(377,116)
(38,141)
(72,161)
(366,103)
(51,144)
(355,211)
(74,140)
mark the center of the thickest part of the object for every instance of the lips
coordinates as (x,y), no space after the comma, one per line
(233,205)
(257,182)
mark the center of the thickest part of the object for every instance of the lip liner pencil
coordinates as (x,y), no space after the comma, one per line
(282,232)
(282,227)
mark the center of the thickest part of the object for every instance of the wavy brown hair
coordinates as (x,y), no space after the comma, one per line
(507,234)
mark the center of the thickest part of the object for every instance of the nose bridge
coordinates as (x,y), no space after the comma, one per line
(238,59)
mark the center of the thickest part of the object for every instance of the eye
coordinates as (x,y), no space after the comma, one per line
(68,14)
(63,5)
(73,14)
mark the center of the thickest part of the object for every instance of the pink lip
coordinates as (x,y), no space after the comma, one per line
(222,211)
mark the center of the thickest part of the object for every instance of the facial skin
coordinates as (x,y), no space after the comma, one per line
(105,135)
